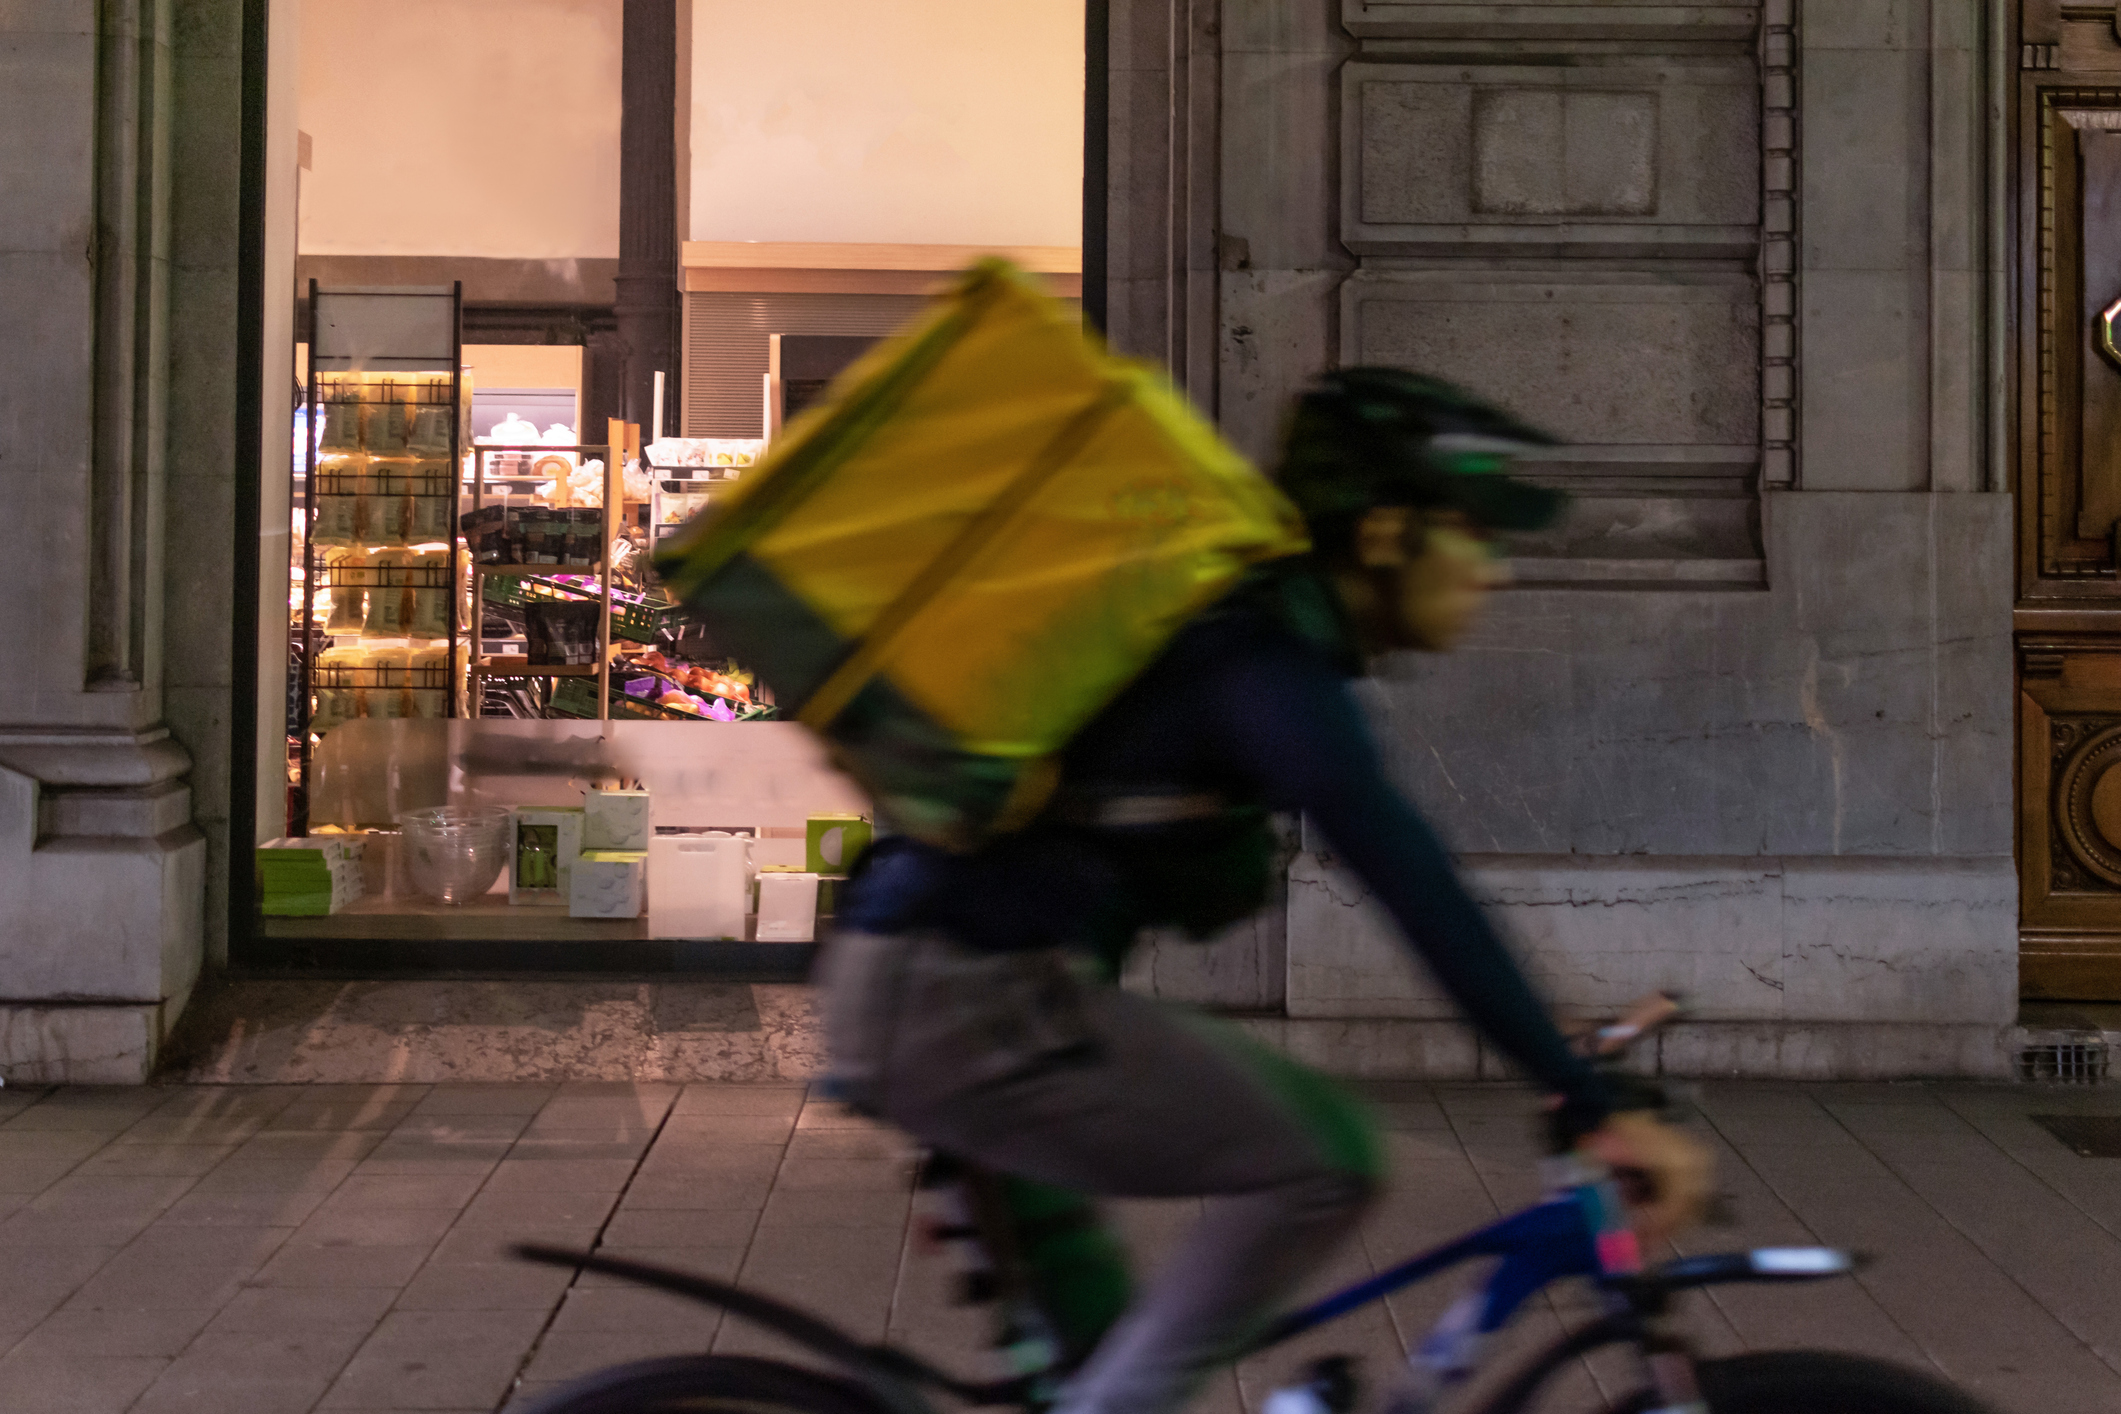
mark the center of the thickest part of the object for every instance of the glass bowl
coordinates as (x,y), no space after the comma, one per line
(455,855)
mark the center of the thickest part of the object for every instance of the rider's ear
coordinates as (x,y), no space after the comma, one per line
(1381,537)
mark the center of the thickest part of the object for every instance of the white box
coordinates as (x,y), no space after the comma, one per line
(787,906)
(699,885)
(609,884)
(615,820)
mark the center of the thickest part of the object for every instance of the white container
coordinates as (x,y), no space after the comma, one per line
(787,906)
(608,884)
(615,819)
(699,886)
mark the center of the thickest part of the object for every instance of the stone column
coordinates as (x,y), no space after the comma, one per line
(102,873)
(648,230)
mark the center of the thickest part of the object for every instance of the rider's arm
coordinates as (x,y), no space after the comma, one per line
(1295,728)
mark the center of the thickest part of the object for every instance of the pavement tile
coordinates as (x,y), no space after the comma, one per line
(712,1099)
(561,1144)
(564,1357)
(92,1330)
(623,1308)
(374,1112)
(719,1263)
(460,1129)
(362,1192)
(343,1266)
(137,1287)
(414,1361)
(858,1175)
(679,1227)
(241,1175)
(283,1310)
(246,1207)
(171,1160)
(109,1196)
(193,1129)
(732,1129)
(484,1286)
(537,1210)
(307,1146)
(485,1100)
(255,1372)
(69,1144)
(333,1226)
(825,1207)
(558,1175)
(85,1109)
(167,1244)
(485,1246)
(49,1380)
(29,1227)
(746,1193)
(853,1144)
(711,1158)
(830,1114)
(26,1177)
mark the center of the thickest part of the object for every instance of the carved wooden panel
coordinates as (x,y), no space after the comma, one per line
(2071,389)
(2070,816)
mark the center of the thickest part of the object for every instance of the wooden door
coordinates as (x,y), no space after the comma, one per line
(2067,392)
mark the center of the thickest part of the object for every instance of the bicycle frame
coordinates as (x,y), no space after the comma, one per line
(1581,1231)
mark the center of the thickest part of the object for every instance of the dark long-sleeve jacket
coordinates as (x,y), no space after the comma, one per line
(1162,819)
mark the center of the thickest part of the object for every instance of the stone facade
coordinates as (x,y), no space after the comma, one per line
(117,420)
(1743,730)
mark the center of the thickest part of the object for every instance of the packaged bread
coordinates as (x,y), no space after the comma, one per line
(347,573)
(429,592)
(433,501)
(387,596)
(427,675)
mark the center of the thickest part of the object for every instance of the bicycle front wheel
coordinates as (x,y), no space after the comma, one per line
(1825,1382)
(706,1384)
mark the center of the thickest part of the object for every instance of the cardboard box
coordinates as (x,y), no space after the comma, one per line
(615,820)
(609,883)
(544,841)
(787,905)
(833,842)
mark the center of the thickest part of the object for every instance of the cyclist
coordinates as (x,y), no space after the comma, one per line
(969,998)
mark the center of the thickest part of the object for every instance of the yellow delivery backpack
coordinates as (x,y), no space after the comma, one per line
(987,528)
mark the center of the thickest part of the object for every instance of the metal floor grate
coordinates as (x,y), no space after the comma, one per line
(2087,1136)
(2066,1062)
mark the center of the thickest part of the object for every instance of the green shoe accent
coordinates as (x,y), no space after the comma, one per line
(1076,1270)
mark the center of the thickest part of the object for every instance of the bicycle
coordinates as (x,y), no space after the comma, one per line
(1580,1231)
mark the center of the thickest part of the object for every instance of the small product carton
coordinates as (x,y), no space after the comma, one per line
(834,842)
(787,905)
(615,820)
(544,841)
(609,883)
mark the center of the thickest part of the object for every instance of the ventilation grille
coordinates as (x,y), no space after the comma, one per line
(726,339)
(2064,1062)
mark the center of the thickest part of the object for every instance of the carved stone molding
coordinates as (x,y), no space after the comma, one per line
(1778,243)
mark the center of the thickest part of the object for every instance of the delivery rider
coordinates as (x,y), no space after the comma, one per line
(969,997)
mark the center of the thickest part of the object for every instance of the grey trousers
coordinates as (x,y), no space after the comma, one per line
(1018,1063)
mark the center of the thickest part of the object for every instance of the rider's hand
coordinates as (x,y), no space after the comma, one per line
(1676,1168)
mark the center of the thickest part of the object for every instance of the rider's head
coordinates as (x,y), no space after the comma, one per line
(1400,478)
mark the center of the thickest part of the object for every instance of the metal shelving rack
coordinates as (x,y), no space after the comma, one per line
(623,437)
(354,335)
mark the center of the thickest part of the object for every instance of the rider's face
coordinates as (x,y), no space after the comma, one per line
(1430,573)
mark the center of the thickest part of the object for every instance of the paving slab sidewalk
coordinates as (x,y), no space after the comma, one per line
(344,1247)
